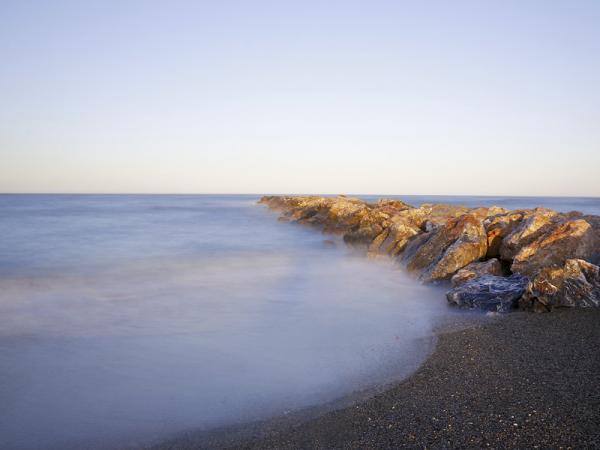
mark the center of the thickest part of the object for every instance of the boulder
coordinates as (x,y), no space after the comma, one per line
(413,245)
(362,237)
(287,202)
(489,293)
(485,212)
(498,227)
(394,238)
(296,208)
(594,221)
(435,215)
(274,201)
(562,241)
(532,225)
(575,284)
(475,270)
(448,248)
(343,213)
(332,214)
(369,226)
(391,204)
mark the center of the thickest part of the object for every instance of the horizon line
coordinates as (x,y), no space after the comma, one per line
(300,194)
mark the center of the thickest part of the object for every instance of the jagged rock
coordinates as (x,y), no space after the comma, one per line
(375,247)
(372,228)
(393,239)
(332,214)
(448,248)
(595,259)
(413,246)
(363,236)
(532,225)
(594,221)
(484,213)
(435,215)
(273,201)
(344,213)
(397,205)
(562,241)
(370,225)
(498,227)
(415,217)
(296,208)
(489,293)
(437,241)
(293,202)
(475,270)
(576,284)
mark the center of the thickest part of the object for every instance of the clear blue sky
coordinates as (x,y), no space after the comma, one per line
(381,97)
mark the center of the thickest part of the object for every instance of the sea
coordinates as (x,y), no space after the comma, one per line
(127,319)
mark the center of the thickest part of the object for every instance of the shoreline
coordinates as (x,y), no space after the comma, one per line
(521,380)
(224,436)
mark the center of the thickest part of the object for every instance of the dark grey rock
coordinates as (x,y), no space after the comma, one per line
(489,293)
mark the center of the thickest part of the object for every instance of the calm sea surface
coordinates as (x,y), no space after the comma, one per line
(127,318)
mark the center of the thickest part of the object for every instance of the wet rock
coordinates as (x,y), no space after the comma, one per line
(576,284)
(448,248)
(475,270)
(489,293)
(562,241)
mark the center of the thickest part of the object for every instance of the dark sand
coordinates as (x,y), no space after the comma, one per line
(523,380)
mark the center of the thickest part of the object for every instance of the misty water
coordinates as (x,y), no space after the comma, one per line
(125,319)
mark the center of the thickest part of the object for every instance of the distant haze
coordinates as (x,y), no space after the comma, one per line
(307,96)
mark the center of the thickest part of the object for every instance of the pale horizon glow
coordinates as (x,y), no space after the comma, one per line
(378,97)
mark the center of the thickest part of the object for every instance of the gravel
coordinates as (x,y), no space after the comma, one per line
(520,380)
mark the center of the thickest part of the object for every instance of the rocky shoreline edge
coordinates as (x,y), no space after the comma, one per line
(494,259)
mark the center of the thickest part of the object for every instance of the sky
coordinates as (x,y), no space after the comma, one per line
(363,97)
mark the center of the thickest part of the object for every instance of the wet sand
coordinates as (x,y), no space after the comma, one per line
(522,380)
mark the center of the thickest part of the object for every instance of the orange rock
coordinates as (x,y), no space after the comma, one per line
(449,248)
(560,242)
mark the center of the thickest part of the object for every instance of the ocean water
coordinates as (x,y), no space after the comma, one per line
(127,318)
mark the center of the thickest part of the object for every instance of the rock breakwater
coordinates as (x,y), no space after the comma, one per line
(497,260)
